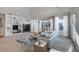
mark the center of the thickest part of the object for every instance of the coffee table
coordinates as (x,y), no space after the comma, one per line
(42,47)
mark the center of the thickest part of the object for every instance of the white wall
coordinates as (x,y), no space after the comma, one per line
(51,26)
(65,24)
(75,29)
(32,25)
(40,25)
(56,23)
(35,25)
(8,25)
(74,33)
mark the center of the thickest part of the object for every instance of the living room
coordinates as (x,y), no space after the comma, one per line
(37,29)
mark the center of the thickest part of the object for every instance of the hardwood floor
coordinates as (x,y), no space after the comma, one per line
(9,44)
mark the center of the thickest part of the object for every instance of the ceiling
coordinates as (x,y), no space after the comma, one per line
(43,12)
(19,11)
(36,12)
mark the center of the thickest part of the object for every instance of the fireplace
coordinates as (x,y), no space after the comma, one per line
(16,29)
(26,27)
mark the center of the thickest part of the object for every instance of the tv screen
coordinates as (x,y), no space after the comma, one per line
(15,27)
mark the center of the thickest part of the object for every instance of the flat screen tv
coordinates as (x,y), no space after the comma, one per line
(15,27)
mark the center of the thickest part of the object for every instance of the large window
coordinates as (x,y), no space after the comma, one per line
(46,26)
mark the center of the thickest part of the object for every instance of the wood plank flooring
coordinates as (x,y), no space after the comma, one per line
(9,44)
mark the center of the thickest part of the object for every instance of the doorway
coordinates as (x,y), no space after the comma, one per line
(1,26)
(61,25)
